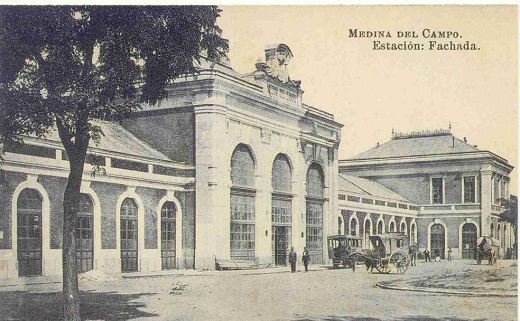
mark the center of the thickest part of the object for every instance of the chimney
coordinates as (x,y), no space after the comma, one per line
(377,144)
(452,141)
(465,140)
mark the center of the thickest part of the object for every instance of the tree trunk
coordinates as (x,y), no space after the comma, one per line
(71,197)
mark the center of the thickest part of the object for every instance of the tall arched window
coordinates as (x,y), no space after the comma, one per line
(340,225)
(242,201)
(392,226)
(168,235)
(29,240)
(85,234)
(380,227)
(353,227)
(281,209)
(367,233)
(129,236)
(314,210)
(402,229)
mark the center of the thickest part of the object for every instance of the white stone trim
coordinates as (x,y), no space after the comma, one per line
(403,220)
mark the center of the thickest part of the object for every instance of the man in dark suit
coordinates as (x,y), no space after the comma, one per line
(293,260)
(305,259)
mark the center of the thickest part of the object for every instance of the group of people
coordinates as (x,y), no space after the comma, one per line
(293,258)
(437,253)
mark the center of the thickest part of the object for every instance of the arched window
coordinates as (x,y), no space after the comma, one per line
(168,235)
(413,238)
(380,227)
(129,235)
(392,226)
(281,209)
(242,238)
(242,167)
(29,239)
(85,234)
(353,227)
(315,181)
(402,229)
(281,174)
(314,210)
(367,233)
(340,225)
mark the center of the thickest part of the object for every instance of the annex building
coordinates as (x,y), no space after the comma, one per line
(229,166)
(444,192)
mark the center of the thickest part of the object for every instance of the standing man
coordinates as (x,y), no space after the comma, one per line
(427,256)
(449,254)
(305,259)
(292,260)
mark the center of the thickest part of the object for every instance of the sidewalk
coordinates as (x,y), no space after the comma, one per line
(37,280)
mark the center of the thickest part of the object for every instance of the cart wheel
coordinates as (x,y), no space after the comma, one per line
(399,262)
(382,268)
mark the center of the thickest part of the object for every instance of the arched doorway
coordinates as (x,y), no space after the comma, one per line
(168,235)
(85,234)
(129,236)
(281,208)
(469,241)
(29,239)
(437,239)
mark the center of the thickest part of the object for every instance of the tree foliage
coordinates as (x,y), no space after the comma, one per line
(65,66)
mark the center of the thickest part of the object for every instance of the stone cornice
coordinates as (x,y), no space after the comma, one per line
(430,159)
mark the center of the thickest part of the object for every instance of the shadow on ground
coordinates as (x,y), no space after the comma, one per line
(22,305)
(411,318)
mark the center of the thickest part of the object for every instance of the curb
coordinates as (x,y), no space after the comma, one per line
(445,291)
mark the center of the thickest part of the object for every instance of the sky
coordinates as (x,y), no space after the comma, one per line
(371,91)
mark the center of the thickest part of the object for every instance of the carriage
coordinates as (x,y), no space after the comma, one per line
(390,252)
(342,249)
(487,248)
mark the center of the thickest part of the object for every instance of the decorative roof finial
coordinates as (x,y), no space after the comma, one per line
(450,125)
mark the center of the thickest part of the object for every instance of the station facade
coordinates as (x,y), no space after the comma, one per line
(229,166)
(236,167)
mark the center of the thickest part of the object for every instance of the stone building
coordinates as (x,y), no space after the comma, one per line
(229,166)
(455,188)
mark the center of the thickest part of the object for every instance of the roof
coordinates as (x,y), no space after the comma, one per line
(417,146)
(358,185)
(117,139)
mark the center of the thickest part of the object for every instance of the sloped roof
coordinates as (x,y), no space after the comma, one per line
(117,139)
(353,184)
(417,146)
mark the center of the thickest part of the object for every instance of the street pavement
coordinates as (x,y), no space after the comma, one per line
(268,294)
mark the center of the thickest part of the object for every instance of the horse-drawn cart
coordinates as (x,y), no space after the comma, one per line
(342,248)
(389,252)
(487,248)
